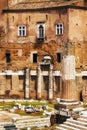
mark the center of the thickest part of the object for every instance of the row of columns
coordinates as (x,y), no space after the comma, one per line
(68,88)
(39,82)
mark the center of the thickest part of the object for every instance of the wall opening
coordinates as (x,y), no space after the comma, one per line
(8,59)
(58,57)
(81,98)
(34,57)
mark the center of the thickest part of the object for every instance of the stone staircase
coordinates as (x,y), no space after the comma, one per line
(32,122)
(26,122)
(73,124)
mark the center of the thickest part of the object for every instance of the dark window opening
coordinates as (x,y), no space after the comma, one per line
(34,58)
(58,57)
(41,31)
(81,98)
(8,58)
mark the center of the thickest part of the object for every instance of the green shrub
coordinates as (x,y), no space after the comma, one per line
(85,105)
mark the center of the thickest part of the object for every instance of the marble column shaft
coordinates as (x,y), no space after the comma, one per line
(39,83)
(51,82)
(27,83)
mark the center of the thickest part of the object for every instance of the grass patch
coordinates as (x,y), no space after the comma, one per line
(85,105)
(27,103)
(23,113)
(9,105)
(35,104)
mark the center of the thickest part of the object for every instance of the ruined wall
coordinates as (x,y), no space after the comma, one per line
(20,59)
(49,18)
(78,36)
(3,4)
(22,48)
(77,23)
(13,2)
(78,47)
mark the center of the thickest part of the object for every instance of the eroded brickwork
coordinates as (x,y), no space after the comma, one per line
(19,53)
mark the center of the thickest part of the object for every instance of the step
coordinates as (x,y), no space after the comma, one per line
(1,128)
(75,125)
(82,120)
(77,122)
(32,119)
(83,116)
(68,127)
(32,123)
(61,128)
(21,125)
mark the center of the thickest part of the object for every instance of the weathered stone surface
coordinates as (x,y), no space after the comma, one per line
(20,51)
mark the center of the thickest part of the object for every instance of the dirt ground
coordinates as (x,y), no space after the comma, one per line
(6,116)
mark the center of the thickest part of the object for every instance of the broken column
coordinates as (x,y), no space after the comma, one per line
(39,83)
(27,83)
(69,84)
(51,82)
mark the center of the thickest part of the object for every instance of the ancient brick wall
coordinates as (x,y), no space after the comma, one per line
(20,51)
(77,23)
(13,2)
(3,4)
(78,47)
(49,18)
(20,48)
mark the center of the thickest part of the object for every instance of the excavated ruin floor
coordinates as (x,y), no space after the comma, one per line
(7,117)
(10,118)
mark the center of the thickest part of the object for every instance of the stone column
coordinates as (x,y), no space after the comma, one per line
(27,83)
(39,83)
(60,85)
(69,84)
(51,83)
